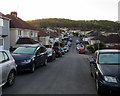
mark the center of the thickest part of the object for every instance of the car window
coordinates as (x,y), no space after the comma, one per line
(42,49)
(25,50)
(49,50)
(109,58)
(3,57)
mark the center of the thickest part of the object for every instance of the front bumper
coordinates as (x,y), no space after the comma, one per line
(24,66)
(114,87)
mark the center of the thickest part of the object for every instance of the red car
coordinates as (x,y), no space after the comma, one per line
(81,51)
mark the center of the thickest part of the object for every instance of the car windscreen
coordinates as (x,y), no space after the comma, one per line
(49,50)
(25,50)
(109,58)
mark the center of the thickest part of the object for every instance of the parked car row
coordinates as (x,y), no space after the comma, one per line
(26,57)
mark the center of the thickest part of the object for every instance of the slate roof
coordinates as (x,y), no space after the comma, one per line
(113,38)
(26,40)
(43,34)
(16,22)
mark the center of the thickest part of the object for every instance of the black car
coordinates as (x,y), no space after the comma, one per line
(105,69)
(28,57)
(58,52)
(51,54)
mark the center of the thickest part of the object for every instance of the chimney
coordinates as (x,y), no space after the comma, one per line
(14,14)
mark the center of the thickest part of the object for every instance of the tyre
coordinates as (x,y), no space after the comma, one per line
(98,87)
(45,63)
(11,78)
(32,68)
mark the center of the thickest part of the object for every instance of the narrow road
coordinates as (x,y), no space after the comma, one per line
(69,74)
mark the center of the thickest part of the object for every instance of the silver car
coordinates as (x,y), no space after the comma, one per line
(7,68)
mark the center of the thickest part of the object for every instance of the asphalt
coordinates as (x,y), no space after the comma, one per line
(69,74)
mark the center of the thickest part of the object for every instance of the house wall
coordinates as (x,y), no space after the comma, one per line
(44,40)
(15,33)
(4,34)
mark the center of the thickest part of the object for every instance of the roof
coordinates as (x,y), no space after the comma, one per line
(3,16)
(108,50)
(26,40)
(43,34)
(113,38)
(30,45)
(16,22)
(54,34)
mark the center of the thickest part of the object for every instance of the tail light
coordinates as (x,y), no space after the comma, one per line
(59,51)
(53,52)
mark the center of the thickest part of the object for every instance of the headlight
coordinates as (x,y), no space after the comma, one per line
(110,79)
(49,55)
(26,61)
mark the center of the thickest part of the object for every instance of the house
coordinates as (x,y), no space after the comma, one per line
(4,32)
(110,41)
(20,28)
(44,38)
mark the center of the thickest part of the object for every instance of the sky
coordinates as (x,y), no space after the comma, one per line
(68,9)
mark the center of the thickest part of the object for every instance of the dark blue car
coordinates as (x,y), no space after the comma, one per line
(105,69)
(28,57)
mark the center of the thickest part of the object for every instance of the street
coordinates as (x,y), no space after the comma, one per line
(69,74)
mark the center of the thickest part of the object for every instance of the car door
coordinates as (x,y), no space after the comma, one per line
(4,66)
(43,53)
(38,57)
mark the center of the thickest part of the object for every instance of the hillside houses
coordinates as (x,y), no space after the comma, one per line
(109,39)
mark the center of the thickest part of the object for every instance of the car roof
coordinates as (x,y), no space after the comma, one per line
(30,45)
(5,50)
(108,50)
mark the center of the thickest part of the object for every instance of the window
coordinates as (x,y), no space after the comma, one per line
(1,22)
(1,42)
(32,34)
(42,49)
(109,58)
(19,33)
(3,57)
(25,50)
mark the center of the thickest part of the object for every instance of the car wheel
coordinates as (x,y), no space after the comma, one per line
(11,78)
(45,63)
(33,68)
(98,87)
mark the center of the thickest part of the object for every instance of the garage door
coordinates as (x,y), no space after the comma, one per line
(1,43)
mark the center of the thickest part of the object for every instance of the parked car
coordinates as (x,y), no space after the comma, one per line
(77,42)
(51,54)
(105,69)
(81,51)
(58,52)
(66,48)
(69,43)
(28,57)
(62,50)
(7,68)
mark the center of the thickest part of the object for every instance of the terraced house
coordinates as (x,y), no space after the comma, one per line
(4,32)
(21,29)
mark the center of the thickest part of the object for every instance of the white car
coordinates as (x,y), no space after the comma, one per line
(7,68)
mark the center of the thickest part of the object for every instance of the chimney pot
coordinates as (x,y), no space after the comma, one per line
(14,14)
